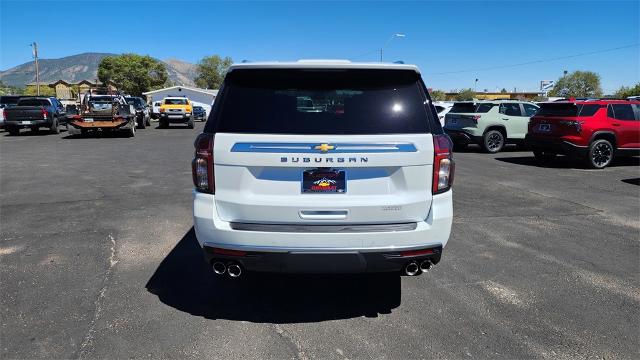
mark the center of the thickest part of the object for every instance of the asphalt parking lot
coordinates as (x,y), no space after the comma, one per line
(98,260)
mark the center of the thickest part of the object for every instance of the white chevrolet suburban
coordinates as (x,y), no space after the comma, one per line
(359,182)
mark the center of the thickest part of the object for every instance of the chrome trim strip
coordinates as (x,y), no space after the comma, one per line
(306,228)
(286,249)
(306,148)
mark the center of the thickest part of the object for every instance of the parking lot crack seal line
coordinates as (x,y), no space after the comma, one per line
(291,343)
(83,351)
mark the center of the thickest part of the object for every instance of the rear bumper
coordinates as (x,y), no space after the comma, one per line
(337,261)
(175,118)
(103,125)
(556,145)
(322,252)
(19,124)
(462,138)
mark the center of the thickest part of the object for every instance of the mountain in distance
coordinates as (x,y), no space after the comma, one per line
(84,66)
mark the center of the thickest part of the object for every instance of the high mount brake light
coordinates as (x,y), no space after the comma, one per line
(443,165)
(202,164)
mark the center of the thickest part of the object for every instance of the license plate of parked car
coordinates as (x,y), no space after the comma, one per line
(26,123)
(88,120)
(324,181)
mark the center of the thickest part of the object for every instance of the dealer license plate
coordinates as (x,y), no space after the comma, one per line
(324,181)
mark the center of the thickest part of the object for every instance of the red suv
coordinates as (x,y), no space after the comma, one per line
(591,130)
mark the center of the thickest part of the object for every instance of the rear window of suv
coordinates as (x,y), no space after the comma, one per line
(312,101)
(568,109)
(468,107)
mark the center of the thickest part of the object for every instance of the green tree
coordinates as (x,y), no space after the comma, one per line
(438,95)
(578,84)
(503,91)
(132,73)
(624,92)
(465,94)
(210,71)
(44,90)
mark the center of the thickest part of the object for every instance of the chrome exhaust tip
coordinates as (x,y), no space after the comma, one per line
(219,268)
(412,269)
(425,265)
(234,270)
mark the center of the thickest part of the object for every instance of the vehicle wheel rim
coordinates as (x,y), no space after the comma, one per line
(601,154)
(494,141)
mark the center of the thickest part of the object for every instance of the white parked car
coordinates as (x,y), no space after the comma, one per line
(360,184)
(155,109)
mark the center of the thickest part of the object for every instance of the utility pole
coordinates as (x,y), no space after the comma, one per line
(34,45)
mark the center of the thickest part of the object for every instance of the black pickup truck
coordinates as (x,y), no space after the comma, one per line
(33,113)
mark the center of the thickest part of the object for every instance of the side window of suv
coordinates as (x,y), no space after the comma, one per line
(510,109)
(621,112)
(529,109)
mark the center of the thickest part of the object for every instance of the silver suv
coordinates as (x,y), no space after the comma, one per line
(490,124)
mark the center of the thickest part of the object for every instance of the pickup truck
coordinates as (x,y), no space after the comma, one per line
(34,113)
(104,112)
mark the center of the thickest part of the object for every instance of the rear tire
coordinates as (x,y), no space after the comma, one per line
(164,124)
(493,141)
(13,131)
(132,131)
(148,121)
(600,154)
(54,127)
(142,124)
(190,123)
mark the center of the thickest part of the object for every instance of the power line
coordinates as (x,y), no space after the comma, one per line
(537,61)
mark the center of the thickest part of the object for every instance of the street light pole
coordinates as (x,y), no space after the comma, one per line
(387,43)
(34,45)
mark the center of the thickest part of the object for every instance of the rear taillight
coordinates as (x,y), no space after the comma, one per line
(572,123)
(475,118)
(443,165)
(45,113)
(202,164)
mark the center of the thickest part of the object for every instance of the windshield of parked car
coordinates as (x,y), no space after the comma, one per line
(175,101)
(137,102)
(33,102)
(311,101)
(469,107)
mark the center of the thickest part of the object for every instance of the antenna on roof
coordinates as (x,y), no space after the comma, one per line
(398,62)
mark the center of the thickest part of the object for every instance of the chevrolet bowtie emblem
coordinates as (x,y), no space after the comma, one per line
(324,147)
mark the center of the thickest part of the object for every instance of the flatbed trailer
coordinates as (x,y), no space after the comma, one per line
(104,112)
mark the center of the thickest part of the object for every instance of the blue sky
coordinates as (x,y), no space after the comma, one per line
(445,36)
